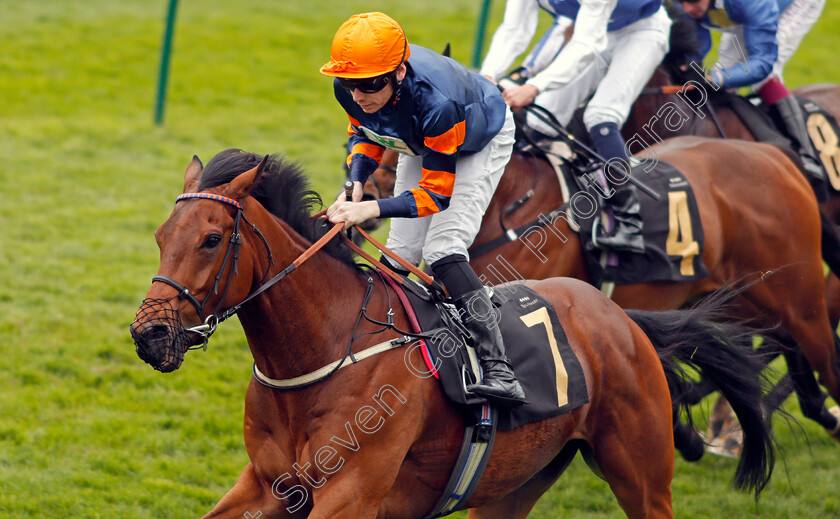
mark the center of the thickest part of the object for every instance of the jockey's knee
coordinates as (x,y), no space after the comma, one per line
(596,114)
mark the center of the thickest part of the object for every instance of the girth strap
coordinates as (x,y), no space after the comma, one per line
(329,369)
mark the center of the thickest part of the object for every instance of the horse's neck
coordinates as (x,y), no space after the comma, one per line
(304,321)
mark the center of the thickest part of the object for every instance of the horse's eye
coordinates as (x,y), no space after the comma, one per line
(211,241)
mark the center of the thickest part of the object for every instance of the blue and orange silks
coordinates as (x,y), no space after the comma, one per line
(443,111)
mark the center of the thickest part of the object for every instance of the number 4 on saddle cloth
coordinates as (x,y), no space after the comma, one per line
(672,230)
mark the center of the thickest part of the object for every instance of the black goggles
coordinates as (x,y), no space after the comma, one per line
(366,85)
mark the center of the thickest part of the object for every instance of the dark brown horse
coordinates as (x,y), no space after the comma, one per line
(370,441)
(706,118)
(707,113)
(759,217)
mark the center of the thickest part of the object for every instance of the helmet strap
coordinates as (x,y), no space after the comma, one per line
(397,87)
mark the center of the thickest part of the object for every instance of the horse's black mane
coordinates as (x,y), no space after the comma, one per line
(283,189)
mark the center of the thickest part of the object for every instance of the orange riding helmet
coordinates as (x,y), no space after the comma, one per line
(367,45)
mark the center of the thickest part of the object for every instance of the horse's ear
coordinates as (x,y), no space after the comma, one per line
(193,173)
(241,186)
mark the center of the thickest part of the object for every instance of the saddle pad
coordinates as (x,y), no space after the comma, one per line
(672,230)
(822,129)
(544,363)
(825,136)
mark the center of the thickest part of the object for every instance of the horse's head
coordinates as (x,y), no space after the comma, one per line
(199,259)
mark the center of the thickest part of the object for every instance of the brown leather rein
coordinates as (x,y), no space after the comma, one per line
(211,322)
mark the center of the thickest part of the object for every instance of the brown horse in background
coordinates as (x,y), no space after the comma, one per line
(705,116)
(759,217)
(311,455)
(720,121)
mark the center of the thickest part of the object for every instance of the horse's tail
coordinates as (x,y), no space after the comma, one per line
(723,354)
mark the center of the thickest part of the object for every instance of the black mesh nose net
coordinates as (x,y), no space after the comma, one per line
(159,335)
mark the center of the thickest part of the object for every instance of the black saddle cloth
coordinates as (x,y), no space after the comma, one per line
(536,345)
(672,229)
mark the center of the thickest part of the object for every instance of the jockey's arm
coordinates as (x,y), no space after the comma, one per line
(760,22)
(364,155)
(511,37)
(588,41)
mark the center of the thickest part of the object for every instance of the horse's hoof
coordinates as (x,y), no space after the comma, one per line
(693,447)
(835,412)
(728,444)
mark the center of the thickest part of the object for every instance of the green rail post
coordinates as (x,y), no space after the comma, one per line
(479,35)
(164,61)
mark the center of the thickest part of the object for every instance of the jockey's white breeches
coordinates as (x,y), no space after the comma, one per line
(616,77)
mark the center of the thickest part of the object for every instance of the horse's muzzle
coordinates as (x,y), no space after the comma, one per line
(159,337)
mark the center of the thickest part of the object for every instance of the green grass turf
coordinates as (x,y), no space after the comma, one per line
(86,429)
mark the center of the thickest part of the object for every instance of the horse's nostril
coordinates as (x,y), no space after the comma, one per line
(156,332)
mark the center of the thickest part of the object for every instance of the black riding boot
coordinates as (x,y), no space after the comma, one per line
(498,384)
(793,120)
(627,232)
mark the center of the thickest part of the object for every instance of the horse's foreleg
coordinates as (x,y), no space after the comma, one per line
(350,495)
(249,498)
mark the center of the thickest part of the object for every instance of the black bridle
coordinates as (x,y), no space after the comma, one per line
(211,322)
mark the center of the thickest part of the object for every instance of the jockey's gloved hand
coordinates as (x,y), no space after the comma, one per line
(515,77)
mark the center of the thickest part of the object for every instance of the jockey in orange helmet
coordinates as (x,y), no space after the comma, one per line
(454,134)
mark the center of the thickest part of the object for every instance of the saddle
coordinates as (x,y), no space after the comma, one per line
(536,344)
(673,231)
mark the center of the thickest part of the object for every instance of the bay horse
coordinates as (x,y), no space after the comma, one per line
(703,116)
(706,118)
(369,440)
(759,217)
